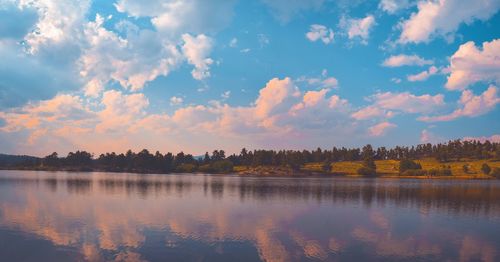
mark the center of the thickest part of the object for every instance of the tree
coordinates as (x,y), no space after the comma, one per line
(465,168)
(486,169)
(407,164)
(327,166)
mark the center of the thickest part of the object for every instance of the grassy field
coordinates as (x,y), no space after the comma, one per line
(391,167)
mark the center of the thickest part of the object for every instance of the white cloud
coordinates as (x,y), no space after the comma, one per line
(196,49)
(470,105)
(233,43)
(320,32)
(427,136)
(225,95)
(175,101)
(134,61)
(443,17)
(173,17)
(381,129)
(392,6)
(408,103)
(470,65)
(370,112)
(492,138)
(396,80)
(58,25)
(359,28)
(120,111)
(424,75)
(406,60)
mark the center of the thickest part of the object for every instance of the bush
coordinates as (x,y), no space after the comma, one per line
(366,171)
(496,172)
(327,166)
(440,172)
(222,166)
(414,172)
(186,168)
(407,164)
(465,168)
(485,169)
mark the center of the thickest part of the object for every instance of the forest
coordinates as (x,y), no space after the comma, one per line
(292,160)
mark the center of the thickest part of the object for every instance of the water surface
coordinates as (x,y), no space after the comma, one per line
(59,216)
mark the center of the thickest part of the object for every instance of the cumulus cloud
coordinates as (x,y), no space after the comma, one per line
(169,17)
(15,23)
(426,136)
(320,32)
(371,112)
(120,110)
(381,129)
(386,105)
(175,101)
(279,114)
(492,138)
(358,28)
(424,75)
(443,17)
(470,65)
(134,61)
(470,105)
(196,49)
(406,60)
(408,103)
(392,6)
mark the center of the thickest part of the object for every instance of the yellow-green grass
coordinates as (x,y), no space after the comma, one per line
(390,168)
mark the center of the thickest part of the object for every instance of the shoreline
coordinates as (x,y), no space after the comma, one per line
(299,174)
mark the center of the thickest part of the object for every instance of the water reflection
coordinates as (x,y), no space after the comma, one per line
(126,217)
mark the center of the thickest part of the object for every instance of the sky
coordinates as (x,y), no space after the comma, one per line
(198,75)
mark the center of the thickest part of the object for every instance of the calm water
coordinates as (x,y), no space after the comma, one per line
(60,216)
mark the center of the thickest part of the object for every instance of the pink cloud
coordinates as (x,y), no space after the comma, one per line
(470,105)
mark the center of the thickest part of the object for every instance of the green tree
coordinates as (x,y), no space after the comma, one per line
(486,169)
(327,166)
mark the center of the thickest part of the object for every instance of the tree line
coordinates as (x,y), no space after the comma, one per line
(218,162)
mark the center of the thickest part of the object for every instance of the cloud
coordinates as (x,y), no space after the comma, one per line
(358,28)
(408,103)
(280,116)
(427,136)
(392,6)
(233,43)
(320,32)
(196,49)
(470,65)
(15,23)
(443,17)
(175,101)
(381,129)
(470,105)
(173,17)
(492,138)
(134,61)
(370,112)
(225,95)
(424,75)
(406,60)
(120,111)
(285,10)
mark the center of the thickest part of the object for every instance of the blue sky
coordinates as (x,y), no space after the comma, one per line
(197,75)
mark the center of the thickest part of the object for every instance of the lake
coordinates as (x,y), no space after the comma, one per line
(60,216)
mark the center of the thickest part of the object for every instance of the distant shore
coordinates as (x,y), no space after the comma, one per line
(264,171)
